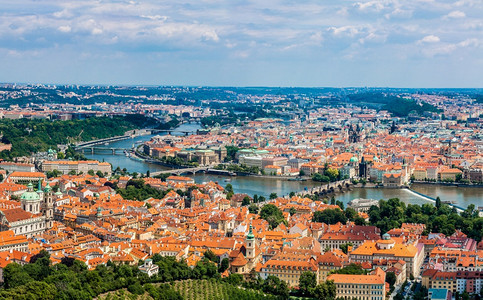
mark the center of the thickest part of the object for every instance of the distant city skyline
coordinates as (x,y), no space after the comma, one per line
(414,43)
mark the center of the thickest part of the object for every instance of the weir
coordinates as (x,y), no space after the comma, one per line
(431,199)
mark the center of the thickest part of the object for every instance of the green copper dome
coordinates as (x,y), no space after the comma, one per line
(354,159)
(250,235)
(30,195)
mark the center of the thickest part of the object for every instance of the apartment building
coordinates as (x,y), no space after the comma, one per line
(67,166)
(362,287)
(387,248)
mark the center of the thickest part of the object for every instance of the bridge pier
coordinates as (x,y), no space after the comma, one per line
(92,150)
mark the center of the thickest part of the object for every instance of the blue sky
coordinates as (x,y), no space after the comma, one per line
(397,43)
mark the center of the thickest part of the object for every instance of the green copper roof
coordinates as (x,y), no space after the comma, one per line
(250,235)
(30,195)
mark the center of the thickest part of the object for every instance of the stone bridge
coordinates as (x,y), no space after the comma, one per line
(328,188)
(181,171)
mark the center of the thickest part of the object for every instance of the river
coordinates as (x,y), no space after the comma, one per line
(462,196)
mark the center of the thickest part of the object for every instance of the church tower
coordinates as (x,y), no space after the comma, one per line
(48,206)
(250,244)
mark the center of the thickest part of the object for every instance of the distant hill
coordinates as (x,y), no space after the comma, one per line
(30,136)
(400,107)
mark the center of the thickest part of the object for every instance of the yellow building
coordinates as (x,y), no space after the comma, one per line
(388,249)
(363,287)
(449,174)
(288,270)
(420,174)
(329,262)
(434,279)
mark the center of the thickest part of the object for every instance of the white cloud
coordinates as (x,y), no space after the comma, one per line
(456,14)
(64,28)
(345,30)
(429,39)
(376,5)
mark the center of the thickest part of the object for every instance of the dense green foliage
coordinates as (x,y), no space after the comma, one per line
(230,117)
(308,287)
(403,107)
(272,214)
(329,175)
(70,279)
(30,136)
(392,213)
(345,247)
(400,107)
(329,216)
(137,190)
(177,161)
(352,269)
(170,124)
(231,152)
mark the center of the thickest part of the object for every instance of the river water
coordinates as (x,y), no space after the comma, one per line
(462,196)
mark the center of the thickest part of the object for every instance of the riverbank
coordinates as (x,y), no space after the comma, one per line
(251,185)
(454,184)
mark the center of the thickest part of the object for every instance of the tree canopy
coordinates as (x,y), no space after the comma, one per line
(272,214)
(329,216)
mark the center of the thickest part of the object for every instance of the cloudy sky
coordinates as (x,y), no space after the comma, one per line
(398,43)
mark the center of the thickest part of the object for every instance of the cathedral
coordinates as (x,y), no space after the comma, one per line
(34,216)
(354,135)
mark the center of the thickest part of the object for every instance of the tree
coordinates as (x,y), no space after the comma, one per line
(329,216)
(273,285)
(224,265)
(332,173)
(307,283)
(359,221)
(14,276)
(339,204)
(438,202)
(229,188)
(211,256)
(292,211)
(345,247)
(350,213)
(325,291)
(246,201)
(351,269)
(301,173)
(253,209)
(272,214)
(320,178)
(273,196)
(391,278)
(91,172)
